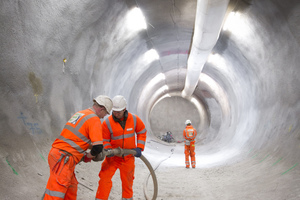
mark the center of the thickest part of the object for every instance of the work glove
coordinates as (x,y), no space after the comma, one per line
(138,152)
(86,159)
(109,153)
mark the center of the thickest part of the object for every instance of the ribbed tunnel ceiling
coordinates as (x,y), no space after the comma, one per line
(57,55)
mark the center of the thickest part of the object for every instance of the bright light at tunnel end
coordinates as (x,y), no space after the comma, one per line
(136,20)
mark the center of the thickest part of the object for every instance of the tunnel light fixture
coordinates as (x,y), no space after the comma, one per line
(231,21)
(240,26)
(136,20)
(194,101)
(151,55)
(166,95)
(218,94)
(217,60)
(158,78)
(161,98)
(160,94)
(163,89)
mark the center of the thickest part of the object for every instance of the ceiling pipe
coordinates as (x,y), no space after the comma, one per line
(210,15)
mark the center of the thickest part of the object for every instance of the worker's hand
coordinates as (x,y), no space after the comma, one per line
(138,152)
(109,153)
(86,159)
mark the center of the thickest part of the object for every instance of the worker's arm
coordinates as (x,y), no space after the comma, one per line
(141,133)
(95,135)
(184,134)
(106,136)
(96,149)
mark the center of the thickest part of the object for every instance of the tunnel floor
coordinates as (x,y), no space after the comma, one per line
(232,180)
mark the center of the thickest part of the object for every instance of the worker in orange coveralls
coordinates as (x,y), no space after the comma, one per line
(189,134)
(127,131)
(82,131)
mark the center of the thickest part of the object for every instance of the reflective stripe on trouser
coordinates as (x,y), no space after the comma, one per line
(108,169)
(189,150)
(62,183)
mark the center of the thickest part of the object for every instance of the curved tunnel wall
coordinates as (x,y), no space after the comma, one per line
(40,91)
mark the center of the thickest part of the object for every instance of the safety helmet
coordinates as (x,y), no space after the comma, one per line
(105,101)
(188,122)
(119,103)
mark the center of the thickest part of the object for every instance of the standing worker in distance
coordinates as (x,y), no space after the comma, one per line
(127,131)
(189,134)
(82,131)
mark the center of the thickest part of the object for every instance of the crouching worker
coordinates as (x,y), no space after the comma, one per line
(82,131)
(127,131)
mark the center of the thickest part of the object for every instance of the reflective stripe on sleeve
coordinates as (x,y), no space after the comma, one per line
(142,131)
(105,145)
(141,142)
(97,143)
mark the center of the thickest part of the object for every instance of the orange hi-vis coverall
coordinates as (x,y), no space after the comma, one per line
(189,134)
(133,135)
(84,128)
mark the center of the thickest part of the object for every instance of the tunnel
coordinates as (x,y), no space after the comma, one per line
(230,66)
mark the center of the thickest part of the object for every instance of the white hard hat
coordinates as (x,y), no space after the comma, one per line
(105,101)
(188,122)
(119,103)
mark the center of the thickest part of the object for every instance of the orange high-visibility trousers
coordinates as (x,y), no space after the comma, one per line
(62,183)
(109,166)
(189,151)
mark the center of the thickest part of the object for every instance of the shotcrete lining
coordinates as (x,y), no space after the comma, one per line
(261,82)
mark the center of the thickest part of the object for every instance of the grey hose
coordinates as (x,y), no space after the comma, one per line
(153,178)
(120,152)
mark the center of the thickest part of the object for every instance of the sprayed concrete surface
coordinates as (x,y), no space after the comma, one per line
(57,55)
